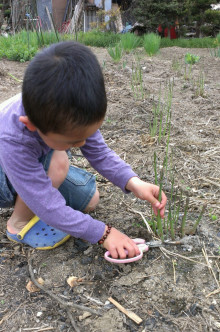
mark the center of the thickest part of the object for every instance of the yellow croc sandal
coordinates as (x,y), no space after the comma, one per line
(39,235)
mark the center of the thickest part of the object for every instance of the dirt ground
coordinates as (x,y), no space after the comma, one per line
(176,289)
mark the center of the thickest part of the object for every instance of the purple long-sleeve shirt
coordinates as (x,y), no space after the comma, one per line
(20,150)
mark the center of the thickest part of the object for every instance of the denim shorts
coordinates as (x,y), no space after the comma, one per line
(78,188)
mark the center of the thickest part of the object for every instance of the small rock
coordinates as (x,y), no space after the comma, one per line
(40,313)
(88,251)
(187,247)
(84,316)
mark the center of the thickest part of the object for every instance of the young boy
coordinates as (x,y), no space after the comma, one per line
(62,105)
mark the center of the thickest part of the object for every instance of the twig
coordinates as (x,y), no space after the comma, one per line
(209,265)
(129,313)
(39,329)
(55,297)
(145,221)
(164,315)
(178,255)
(174,271)
(211,182)
(8,316)
(72,320)
(214,292)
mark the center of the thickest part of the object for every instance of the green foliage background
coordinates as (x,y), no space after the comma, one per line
(165,12)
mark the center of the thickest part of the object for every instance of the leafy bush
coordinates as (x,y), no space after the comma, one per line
(151,43)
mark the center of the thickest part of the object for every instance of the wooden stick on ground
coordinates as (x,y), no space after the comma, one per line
(130,314)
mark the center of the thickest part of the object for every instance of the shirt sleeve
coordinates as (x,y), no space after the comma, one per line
(30,181)
(106,161)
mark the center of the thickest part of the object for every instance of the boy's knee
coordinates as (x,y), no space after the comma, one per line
(93,203)
(59,167)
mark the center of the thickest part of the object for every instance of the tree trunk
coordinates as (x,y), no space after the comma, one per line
(76,17)
(2,13)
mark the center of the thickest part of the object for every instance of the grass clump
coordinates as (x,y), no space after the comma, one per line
(129,41)
(206,42)
(98,39)
(151,43)
(116,52)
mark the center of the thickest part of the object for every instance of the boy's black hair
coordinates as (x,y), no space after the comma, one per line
(64,87)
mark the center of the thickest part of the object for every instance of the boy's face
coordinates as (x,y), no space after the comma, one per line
(73,138)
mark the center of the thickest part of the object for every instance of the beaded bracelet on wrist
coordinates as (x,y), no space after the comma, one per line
(101,241)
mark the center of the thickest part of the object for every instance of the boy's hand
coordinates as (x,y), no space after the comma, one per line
(149,192)
(117,242)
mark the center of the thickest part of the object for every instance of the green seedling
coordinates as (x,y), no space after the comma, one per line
(187,72)
(137,80)
(176,65)
(213,217)
(200,85)
(199,219)
(184,217)
(191,58)
(15,78)
(124,64)
(159,222)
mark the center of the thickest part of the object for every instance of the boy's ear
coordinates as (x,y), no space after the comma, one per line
(25,120)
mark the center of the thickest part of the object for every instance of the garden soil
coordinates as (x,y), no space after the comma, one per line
(176,288)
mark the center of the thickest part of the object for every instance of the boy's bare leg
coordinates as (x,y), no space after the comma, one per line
(57,172)
(93,203)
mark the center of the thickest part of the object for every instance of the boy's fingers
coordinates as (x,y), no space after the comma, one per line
(113,253)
